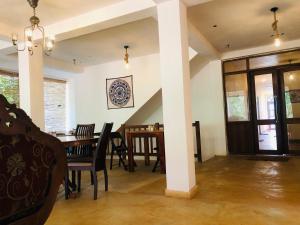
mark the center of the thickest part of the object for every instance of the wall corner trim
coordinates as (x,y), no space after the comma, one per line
(182,194)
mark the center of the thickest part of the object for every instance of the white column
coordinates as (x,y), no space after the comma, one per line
(31,85)
(175,78)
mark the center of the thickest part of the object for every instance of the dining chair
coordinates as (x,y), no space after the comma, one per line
(83,130)
(97,163)
(119,147)
(83,153)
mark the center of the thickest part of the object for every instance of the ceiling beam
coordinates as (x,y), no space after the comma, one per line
(261,49)
(102,18)
(188,3)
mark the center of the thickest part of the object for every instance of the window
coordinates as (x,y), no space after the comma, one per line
(55,101)
(54,98)
(237,97)
(9,87)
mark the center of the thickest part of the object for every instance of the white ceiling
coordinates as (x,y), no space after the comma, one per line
(16,13)
(107,45)
(245,23)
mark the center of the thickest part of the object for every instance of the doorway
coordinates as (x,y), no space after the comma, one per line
(275,109)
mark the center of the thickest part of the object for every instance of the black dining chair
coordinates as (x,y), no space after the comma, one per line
(82,153)
(97,163)
(82,130)
(119,147)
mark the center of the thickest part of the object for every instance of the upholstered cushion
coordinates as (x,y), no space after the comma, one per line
(80,166)
(24,176)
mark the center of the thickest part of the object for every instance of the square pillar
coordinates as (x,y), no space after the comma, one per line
(31,85)
(176,95)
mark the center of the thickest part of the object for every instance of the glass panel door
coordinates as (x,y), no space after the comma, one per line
(291,81)
(266,118)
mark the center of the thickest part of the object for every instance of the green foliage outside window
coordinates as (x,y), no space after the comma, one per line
(9,87)
(289,108)
(236,108)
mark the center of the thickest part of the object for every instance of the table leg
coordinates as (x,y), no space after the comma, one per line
(146,150)
(161,148)
(130,153)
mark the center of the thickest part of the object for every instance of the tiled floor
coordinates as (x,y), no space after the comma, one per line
(232,191)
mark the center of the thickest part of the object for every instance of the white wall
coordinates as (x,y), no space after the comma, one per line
(90,90)
(207,106)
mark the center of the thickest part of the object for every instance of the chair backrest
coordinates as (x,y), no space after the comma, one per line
(100,154)
(85,130)
(32,167)
(116,137)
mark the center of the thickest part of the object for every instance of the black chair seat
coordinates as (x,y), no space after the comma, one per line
(77,158)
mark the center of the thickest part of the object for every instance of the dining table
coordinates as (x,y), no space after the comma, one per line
(73,141)
(146,134)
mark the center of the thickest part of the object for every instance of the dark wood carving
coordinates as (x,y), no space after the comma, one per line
(32,167)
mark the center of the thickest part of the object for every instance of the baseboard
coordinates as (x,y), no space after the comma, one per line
(182,194)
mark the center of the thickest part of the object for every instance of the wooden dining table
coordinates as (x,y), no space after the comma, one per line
(158,134)
(72,141)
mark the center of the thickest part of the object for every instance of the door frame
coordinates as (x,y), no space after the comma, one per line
(277,121)
(285,120)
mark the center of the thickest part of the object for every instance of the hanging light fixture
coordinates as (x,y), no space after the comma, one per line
(126,57)
(34,33)
(276,35)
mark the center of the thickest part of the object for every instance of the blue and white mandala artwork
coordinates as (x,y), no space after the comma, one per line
(119,92)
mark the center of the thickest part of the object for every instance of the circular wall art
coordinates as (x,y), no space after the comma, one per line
(119,93)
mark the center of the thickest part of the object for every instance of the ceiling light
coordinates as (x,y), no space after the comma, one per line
(291,77)
(34,33)
(276,35)
(126,57)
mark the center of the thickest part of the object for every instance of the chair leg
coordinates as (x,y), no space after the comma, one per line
(111,159)
(105,178)
(67,185)
(122,161)
(79,181)
(155,166)
(73,180)
(92,178)
(95,184)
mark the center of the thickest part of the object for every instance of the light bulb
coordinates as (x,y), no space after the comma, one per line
(277,42)
(28,33)
(127,66)
(291,77)
(52,37)
(14,37)
(29,44)
(49,45)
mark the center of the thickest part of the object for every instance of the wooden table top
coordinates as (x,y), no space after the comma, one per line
(77,140)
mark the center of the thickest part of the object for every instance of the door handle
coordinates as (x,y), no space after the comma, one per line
(276,109)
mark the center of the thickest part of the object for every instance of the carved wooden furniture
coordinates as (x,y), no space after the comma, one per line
(96,164)
(32,167)
(159,135)
(119,147)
